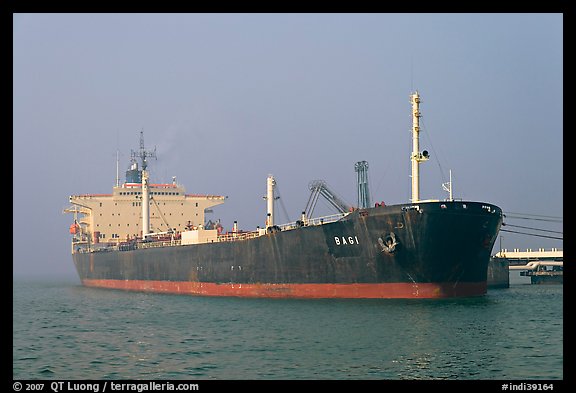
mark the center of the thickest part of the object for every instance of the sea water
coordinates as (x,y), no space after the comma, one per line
(63,331)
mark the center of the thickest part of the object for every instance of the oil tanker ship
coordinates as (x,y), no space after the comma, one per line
(154,237)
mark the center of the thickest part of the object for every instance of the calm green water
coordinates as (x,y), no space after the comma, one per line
(62,330)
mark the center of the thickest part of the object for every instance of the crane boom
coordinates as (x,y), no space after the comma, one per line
(320,187)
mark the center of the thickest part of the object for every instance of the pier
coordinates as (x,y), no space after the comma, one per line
(517,257)
(542,266)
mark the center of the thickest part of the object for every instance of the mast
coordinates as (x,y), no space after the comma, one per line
(142,154)
(270,183)
(145,205)
(416,156)
(117,168)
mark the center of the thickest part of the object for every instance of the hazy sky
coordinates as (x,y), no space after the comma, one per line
(227,99)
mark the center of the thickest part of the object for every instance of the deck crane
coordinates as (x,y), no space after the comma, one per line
(320,187)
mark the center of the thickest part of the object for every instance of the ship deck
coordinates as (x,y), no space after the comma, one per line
(173,240)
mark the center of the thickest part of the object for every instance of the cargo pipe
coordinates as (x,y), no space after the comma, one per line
(534,265)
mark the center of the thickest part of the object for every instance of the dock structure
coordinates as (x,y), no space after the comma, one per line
(517,257)
(542,266)
(498,275)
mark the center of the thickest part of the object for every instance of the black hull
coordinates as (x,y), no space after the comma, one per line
(428,249)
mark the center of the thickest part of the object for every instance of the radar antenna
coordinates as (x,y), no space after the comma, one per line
(143,153)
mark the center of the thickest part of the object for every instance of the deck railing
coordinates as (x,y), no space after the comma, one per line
(314,221)
(227,237)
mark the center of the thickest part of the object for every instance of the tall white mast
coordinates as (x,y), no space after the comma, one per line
(416,156)
(270,200)
(145,205)
(143,154)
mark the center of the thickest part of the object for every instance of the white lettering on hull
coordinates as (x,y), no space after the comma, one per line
(346,240)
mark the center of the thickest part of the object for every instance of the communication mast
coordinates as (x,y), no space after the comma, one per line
(143,153)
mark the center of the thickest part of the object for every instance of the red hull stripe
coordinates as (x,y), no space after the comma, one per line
(374,291)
